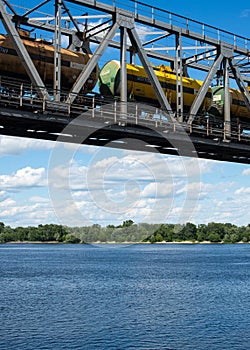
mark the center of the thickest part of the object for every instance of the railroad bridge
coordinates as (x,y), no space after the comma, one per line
(39,100)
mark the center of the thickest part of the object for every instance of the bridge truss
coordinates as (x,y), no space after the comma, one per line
(135,32)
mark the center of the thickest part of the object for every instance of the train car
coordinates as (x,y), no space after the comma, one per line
(239,111)
(140,89)
(42,55)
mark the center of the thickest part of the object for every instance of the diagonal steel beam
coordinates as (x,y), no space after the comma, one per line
(240,82)
(23,54)
(134,38)
(83,76)
(203,89)
(10,7)
(156,39)
(35,8)
(70,16)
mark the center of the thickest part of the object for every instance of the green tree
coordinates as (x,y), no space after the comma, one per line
(69,238)
(214,237)
(33,234)
(127,223)
(189,232)
(158,237)
(1,227)
(216,230)
(178,233)
(20,234)
(152,239)
(202,233)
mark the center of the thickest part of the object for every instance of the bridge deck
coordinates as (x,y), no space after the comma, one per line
(103,126)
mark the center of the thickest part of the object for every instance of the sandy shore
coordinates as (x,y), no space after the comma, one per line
(113,242)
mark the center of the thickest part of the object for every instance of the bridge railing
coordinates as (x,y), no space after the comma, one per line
(187,24)
(151,117)
(23,95)
(17,95)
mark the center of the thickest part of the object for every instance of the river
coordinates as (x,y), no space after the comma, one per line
(162,296)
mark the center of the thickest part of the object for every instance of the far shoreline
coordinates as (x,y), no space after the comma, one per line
(125,242)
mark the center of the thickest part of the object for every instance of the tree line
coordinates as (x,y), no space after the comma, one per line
(128,231)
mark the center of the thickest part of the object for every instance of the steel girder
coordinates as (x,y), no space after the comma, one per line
(126,22)
(83,76)
(204,88)
(219,49)
(23,54)
(57,50)
(150,72)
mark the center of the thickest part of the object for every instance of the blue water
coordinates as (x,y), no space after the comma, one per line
(125,297)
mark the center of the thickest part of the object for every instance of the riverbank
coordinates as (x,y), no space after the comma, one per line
(125,242)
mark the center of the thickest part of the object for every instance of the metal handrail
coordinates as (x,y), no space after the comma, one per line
(20,94)
(186,23)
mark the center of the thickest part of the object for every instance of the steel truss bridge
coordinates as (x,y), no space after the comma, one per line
(135,31)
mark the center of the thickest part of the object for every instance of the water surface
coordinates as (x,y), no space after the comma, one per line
(174,296)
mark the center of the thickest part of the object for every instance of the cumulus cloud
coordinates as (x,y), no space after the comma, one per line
(114,185)
(118,184)
(23,178)
(242,191)
(16,146)
(16,214)
(6,203)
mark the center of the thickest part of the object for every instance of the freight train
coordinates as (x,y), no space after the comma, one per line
(138,85)
(42,55)
(140,89)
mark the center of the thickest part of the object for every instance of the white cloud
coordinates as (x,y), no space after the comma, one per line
(37,199)
(6,203)
(144,31)
(101,30)
(159,190)
(26,177)
(16,146)
(29,212)
(3,195)
(197,190)
(242,191)
(246,172)
(115,184)
(106,162)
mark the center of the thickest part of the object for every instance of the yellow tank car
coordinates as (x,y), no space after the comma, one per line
(140,88)
(42,55)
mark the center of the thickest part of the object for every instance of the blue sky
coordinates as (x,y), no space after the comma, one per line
(45,182)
